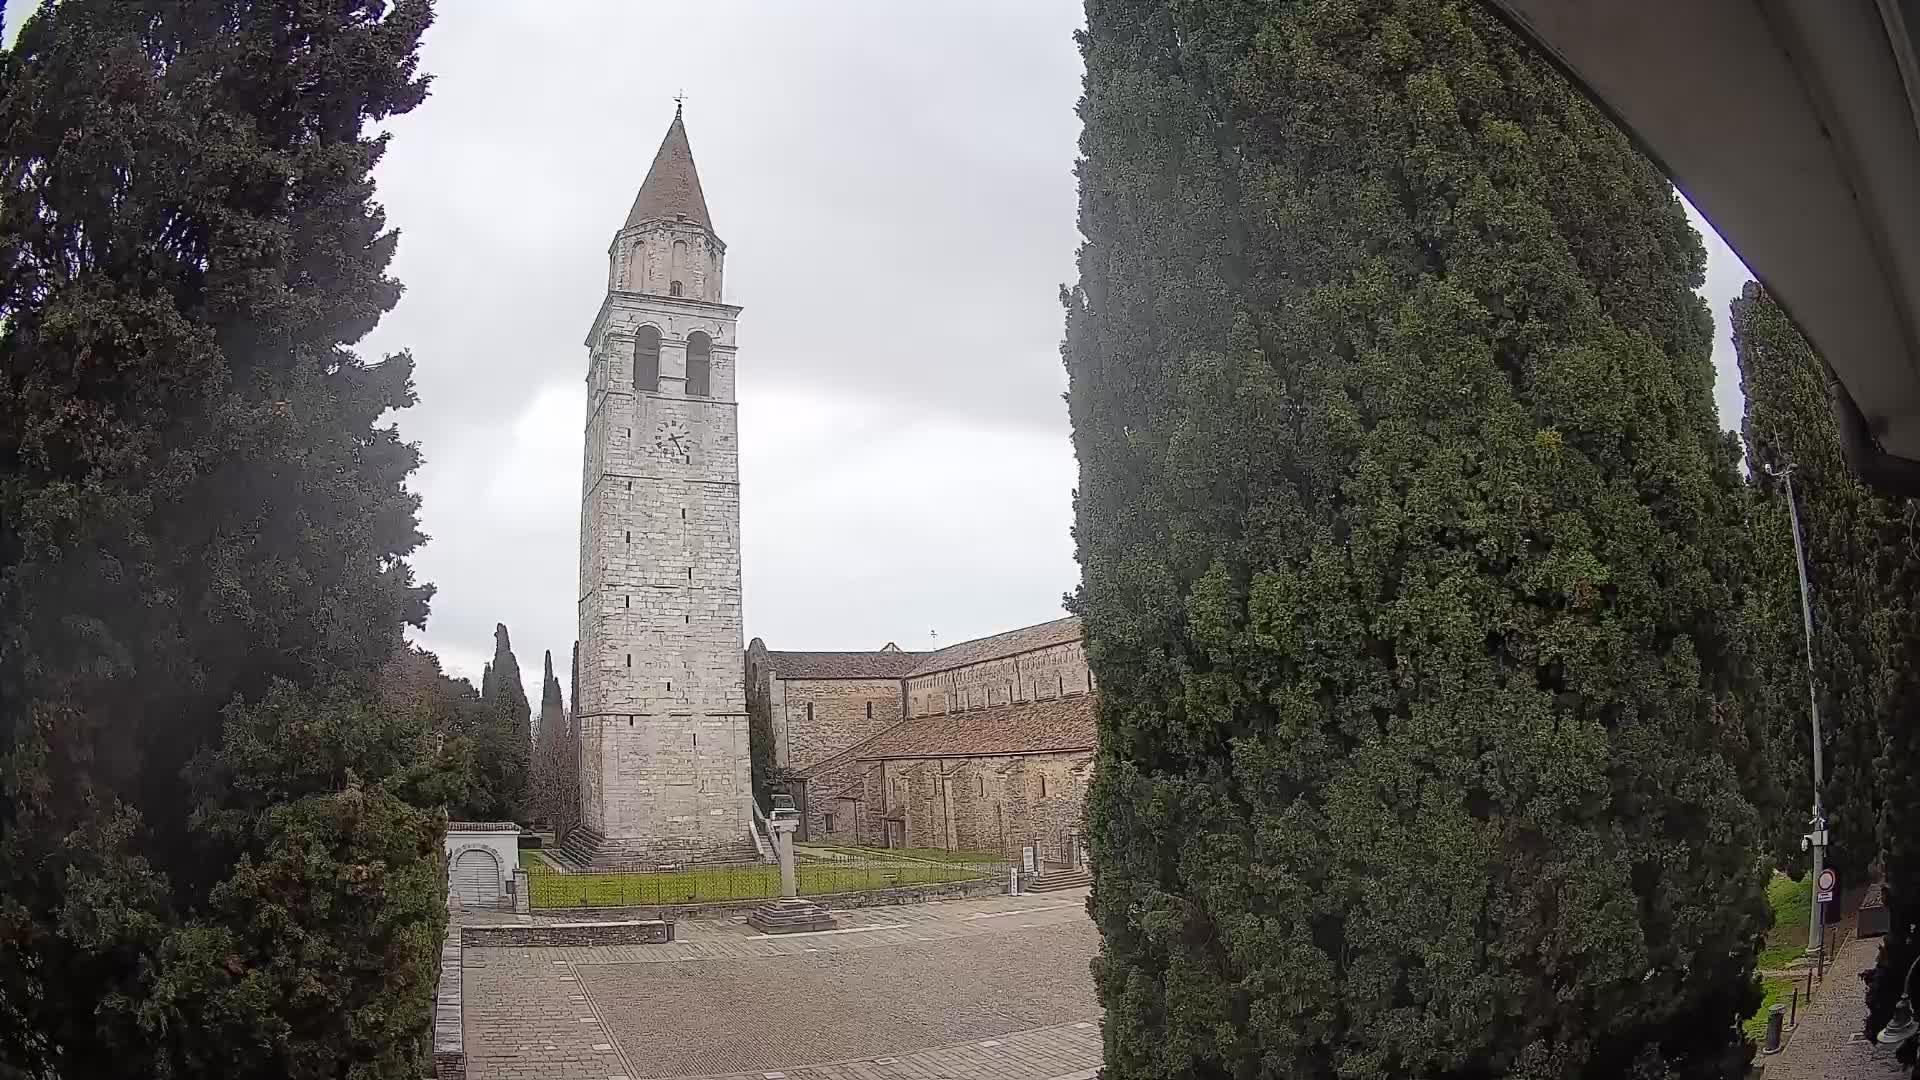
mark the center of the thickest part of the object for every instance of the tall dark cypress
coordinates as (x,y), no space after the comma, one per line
(1845,528)
(1863,567)
(503,752)
(1407,532)
(204,528)
(549,751)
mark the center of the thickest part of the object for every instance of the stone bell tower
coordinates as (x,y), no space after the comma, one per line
(662,711)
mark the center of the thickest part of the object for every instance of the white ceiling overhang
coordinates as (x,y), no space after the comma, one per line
(1794,127)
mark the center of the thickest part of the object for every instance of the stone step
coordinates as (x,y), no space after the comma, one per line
(1054,880)
(580,848)
(790,916)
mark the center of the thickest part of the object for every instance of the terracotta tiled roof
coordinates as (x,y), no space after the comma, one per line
(672,187)
(980,650)
(880,664)
(482,826)
(1024,727)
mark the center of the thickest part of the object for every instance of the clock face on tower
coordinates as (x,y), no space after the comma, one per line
(672,440)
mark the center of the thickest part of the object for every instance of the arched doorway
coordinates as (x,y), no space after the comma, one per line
(476,878)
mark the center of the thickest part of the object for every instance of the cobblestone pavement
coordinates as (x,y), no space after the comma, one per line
(968,990)
(1826,1044)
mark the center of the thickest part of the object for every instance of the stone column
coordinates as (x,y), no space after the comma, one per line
(789,914)
(783,829)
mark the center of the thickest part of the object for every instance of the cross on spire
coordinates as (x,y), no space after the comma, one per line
(678,100)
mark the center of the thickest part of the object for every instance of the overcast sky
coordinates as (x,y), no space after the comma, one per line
(894,184)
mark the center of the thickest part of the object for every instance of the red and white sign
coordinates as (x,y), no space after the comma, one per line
(1823,889)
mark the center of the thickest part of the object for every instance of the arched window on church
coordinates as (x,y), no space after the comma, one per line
(680,270)
(646,359)
(699,365)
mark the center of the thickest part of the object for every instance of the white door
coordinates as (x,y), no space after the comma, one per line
(476,878)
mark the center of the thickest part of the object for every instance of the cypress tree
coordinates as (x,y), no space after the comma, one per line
(503,750)
(549,750)
(1406,529)
(1897,650)
(1845,528)
(1863,568)
(203,539)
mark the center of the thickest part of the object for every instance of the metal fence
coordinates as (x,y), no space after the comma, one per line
(837,870)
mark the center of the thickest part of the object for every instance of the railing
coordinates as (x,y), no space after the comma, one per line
(762,836)
(839,871)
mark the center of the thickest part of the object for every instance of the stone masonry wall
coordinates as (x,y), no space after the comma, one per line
(662,695)
(449,1034)
(993,803)
(1029,676)
(822,786)
(517,935)
(818,718)
(650,256)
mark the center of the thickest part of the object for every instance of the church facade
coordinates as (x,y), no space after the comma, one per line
(983,746)
(661,725)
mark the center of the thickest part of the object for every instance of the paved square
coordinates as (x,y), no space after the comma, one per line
(967,989)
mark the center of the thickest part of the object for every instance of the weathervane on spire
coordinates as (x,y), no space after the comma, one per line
(678,99)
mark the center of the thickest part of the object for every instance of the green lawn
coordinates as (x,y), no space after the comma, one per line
(1775,990)
(709,884)
(1790,901)
(964,858)
(531,861)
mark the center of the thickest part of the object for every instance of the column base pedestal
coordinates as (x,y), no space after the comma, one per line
(790,915)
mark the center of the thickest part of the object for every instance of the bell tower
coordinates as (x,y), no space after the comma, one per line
(662,713)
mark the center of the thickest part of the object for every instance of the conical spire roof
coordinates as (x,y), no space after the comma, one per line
(672,186)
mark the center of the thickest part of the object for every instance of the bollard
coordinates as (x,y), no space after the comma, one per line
(1793,1014)
(1776,1016)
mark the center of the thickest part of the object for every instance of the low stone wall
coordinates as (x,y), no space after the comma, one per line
(449,1036)
(524,935)
(991,885)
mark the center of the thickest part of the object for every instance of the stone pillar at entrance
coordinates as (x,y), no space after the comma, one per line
(790,914)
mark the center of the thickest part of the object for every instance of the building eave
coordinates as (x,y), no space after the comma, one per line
(1794,127)
(675,304)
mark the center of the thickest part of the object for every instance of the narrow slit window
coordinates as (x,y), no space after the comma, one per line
(1043,785)
(629,659)
(869,710)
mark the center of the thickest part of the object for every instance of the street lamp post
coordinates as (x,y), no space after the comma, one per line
(1815,841)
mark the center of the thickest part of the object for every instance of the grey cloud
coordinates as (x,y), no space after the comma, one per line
(894,183)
